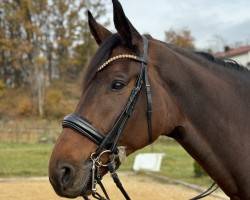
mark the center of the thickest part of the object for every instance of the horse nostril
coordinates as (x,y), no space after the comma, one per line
(65,176)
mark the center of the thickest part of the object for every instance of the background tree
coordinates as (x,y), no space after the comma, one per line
(181,38)
(41,41)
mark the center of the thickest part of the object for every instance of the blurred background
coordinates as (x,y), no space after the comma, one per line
(45,46)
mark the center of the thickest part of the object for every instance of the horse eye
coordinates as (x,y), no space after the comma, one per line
(117,86)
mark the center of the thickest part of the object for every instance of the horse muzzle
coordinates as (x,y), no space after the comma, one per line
(69,181)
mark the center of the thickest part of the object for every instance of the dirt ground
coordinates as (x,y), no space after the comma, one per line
(138,187)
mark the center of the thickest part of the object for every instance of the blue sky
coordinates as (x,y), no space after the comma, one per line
(212,23)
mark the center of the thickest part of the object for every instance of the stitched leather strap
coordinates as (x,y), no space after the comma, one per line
(148,91)
(83,127)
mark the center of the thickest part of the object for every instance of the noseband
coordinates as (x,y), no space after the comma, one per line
(108,143)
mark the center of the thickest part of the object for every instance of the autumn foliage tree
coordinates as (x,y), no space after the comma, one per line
(42,40)
(181,38)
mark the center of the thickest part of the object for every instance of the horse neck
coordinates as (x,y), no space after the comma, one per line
(214,110)
(206,93)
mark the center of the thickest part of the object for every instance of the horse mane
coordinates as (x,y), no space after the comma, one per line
(228,63)
(101,55)
(105,49)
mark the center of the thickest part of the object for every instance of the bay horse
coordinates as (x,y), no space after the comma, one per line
(137,88)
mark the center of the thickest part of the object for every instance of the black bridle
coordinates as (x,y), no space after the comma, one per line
(108,143)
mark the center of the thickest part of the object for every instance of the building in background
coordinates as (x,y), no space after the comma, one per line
(241,55)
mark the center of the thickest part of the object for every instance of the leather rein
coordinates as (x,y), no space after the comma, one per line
(108,144)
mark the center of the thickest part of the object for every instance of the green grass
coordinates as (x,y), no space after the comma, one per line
(32,160)
(176,164)
(24,159)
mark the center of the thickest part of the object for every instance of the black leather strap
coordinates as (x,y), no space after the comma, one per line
(114,135)
(117,181)
(209,191)
(148,91)
(82,126)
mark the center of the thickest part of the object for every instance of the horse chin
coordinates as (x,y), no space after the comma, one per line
(87,184)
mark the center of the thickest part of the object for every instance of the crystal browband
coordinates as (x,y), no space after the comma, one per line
(116,58)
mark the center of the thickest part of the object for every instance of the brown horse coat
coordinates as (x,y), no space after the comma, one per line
(202,103)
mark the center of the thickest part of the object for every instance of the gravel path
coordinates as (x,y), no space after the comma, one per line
(138,187)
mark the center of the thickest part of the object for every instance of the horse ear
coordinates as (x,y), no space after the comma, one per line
(98,31)
(129,35)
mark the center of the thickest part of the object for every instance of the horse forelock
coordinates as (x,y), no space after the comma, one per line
(101,55)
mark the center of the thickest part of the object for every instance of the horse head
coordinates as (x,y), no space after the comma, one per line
(120,66)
